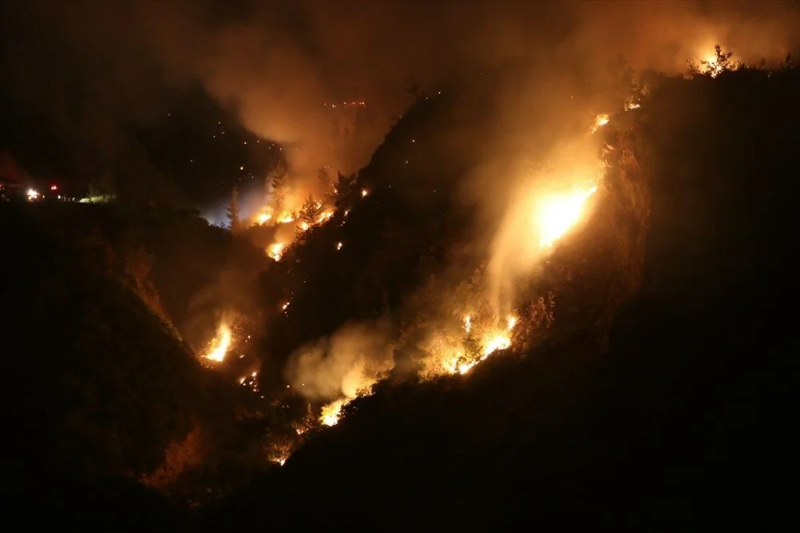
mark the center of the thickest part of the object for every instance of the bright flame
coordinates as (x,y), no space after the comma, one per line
(494,343)
(285,219)
(364,193)
(220,344)
(263,218)
(33,195)
(467,323)
(339,245)
(512,321)
(275,251)
(304,226)
(324,217)
(600,121)
(332,412)
(558,213)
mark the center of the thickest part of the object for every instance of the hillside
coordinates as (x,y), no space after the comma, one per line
(680,423)
(658,397)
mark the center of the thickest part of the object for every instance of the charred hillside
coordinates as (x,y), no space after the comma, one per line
(680,421)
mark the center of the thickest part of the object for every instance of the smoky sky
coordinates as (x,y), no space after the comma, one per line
(91,70)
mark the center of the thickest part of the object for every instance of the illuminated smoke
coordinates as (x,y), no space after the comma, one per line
(342,367)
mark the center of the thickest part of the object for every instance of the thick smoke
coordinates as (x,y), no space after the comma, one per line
(92,66)
(351,360)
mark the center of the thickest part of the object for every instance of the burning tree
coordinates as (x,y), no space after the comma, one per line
(311,211)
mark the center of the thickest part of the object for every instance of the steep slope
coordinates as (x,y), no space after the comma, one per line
(96,384)
(680,424)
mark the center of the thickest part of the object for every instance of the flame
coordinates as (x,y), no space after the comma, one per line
(364,193)
(332,412)
(33,195)
(285,219)
(275,251)
(263,218)
(220,344)
(467,323)
(494,343)
(339,245)
(304,226)
(324,217)
(600,121)
(558,213)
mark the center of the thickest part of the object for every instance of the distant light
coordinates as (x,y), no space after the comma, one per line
(338,245)
(241,168)
(54,187)
(33,195)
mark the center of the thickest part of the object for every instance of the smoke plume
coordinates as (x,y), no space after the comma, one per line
(350,361)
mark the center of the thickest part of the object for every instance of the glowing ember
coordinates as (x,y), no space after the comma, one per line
(284,306)
(558,213)
(332,412)
(364,193)
(600,121)
(275,251)
(339,245)
(220,344)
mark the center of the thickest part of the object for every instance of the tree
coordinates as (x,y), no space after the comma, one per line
(233,211)
(323,178)
(311,211)
(342,189)
(276,183)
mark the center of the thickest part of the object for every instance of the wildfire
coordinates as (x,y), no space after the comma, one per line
(286,219)
(263,218)
(558,213)
(275,251)
(220,344)
(324,217)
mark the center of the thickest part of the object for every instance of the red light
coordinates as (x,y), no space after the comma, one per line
(54,187)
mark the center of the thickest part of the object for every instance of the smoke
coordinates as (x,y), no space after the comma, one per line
(350,361)
(279,63)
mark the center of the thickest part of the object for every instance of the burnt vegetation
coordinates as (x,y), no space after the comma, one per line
(659,398)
